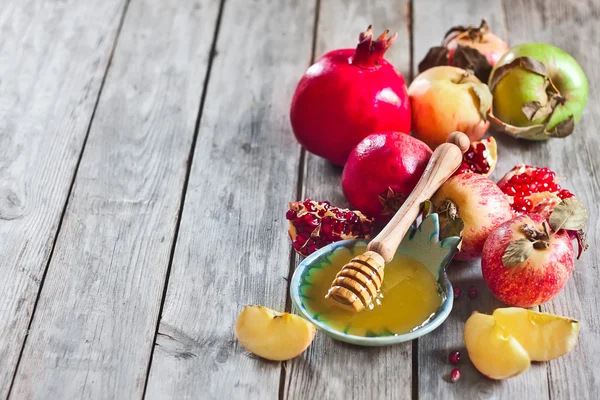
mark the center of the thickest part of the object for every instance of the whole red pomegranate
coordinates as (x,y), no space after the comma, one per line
(525,263)
(474,203)
(532,189)
(382,170)
(347,95)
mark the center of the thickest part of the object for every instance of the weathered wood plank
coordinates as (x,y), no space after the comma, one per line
(333,369)
(96,318)
(53,56)
(232,249)
(572,26)
(432,19)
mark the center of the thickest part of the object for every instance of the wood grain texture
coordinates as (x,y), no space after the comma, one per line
(330,369)
(431,19)
(53,56)
(572,26)
(96,318)
(233,249)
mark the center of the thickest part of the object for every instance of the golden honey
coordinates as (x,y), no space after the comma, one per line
(409,296)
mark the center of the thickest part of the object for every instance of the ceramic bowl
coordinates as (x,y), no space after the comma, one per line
(422,244)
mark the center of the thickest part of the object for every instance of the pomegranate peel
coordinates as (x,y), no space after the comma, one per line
(313,225)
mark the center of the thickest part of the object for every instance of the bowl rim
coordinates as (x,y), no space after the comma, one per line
(440,316)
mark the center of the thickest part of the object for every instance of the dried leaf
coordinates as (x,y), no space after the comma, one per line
(485,98)
(436,56)
(535,109)
(466,57)
(517,252)
(528,63)
(534,132)
(570,214)
(563,129)
(581,242)
(451,227)
(458,29)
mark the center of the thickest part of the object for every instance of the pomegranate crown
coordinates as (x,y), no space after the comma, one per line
(369,52)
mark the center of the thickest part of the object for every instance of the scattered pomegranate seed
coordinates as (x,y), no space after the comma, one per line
(454,375)
(472,292)
(456,293)
(454,357)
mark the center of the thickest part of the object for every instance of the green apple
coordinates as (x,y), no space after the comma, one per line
(539,92)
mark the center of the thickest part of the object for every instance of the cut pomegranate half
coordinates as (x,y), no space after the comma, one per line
(532,189)
(316,224)
(480,158)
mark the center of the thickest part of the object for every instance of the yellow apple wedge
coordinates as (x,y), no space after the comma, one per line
(493,351)
(544,336)
(271,334)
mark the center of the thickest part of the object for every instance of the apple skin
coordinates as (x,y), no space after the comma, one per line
(441,106)
(481,205)
(520,86)
(490,45)
(534,281)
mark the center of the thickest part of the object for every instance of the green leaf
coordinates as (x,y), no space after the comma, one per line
(517,252)
(569,214)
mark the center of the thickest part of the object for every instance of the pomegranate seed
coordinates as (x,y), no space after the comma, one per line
(456,293)
(454,357)
(290,215)
(309,205)
(472,292)
(454,375)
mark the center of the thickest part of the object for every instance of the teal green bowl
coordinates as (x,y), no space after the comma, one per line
(421,244)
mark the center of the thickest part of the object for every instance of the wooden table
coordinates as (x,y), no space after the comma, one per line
(146,163)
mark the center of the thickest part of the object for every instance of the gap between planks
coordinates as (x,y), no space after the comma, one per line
(299,195)
(189,162)
(64,210)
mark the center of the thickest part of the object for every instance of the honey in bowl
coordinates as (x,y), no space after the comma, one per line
(409,297)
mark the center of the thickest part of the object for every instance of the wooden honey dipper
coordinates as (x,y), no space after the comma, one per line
(356,285)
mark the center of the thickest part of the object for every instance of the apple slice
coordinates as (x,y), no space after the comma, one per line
(544,336)
(493,351)
(271,334)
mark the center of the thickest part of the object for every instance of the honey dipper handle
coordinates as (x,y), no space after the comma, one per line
(445,160)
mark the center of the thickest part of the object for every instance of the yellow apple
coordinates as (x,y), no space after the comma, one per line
(493,351)
(544,336)
(271,334)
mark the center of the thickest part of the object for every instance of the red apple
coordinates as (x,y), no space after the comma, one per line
(447,99)
(547,261)
(479,203)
